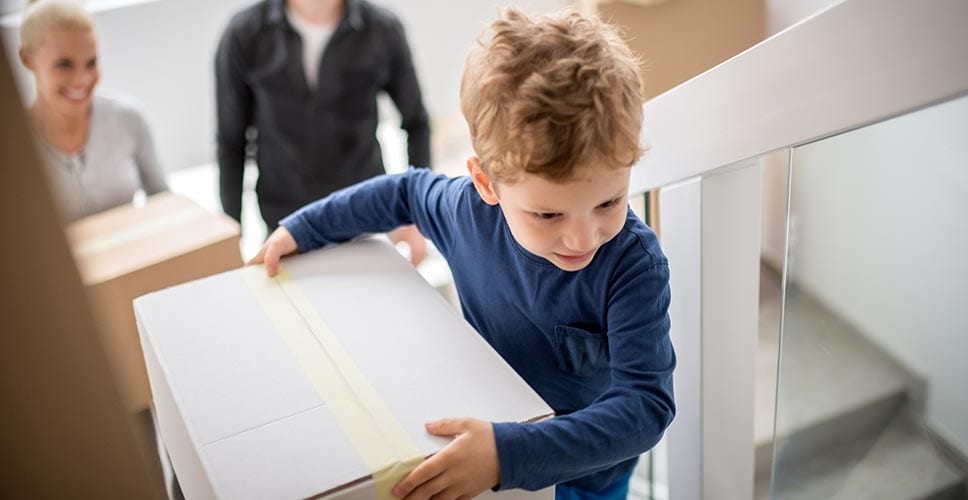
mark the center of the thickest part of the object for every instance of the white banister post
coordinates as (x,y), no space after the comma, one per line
(680,220)
(731,210)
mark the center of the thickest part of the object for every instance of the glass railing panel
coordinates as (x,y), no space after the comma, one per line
(775,185)
(871,399)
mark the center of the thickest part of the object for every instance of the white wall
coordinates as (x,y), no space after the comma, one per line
(10,6)
(161,52)
(878,233)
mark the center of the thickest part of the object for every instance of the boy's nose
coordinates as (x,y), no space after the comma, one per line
(581,237)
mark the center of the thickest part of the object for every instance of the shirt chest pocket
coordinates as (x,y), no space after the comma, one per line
(579,351)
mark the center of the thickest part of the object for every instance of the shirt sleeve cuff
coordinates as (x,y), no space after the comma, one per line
(509,457)
(306,238)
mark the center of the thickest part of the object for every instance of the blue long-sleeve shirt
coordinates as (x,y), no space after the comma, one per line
(593,343)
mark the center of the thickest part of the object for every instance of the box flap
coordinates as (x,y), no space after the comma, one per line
(228,371)
(295,456)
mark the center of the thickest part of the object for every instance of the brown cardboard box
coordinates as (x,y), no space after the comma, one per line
(130,251)
(679,39)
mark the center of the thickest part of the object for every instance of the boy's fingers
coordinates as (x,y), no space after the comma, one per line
(418,252)
(433,488)
(447,427)
(424,472)
(272,260)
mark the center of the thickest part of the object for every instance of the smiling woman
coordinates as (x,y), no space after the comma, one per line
(97,149)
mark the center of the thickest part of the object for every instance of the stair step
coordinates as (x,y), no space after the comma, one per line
(834,382)
(897,463)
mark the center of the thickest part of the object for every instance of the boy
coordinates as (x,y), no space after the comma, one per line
(551,266)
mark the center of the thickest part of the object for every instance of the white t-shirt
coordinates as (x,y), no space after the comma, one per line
(314,40)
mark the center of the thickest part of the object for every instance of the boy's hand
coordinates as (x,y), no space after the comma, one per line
(463,469)
(412,237)
(279,243)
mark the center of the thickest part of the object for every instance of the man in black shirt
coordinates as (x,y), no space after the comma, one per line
(302,77)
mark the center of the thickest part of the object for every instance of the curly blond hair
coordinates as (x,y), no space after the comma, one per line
(42,16)
(552,95)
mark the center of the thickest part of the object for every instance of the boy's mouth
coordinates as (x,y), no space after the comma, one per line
(575,259)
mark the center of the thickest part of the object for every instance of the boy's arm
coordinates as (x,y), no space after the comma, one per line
(376,205)
(417,196)
(629,418)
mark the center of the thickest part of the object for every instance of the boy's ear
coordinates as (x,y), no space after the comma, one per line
(25,58)
(485,188)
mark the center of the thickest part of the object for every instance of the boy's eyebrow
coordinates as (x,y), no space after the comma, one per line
(540,209)
(620,194)
(613,197)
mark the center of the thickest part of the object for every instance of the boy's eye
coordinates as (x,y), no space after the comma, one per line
(64,64)
(611,203)
(546,215)
(92,64)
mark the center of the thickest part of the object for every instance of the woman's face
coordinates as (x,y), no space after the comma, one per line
(65,69)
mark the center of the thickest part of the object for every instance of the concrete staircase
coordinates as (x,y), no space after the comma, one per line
(847,424)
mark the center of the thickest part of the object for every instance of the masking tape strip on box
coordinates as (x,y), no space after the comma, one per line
(155,226)
(365,419)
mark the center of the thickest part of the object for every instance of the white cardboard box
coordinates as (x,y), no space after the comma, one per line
(240,416)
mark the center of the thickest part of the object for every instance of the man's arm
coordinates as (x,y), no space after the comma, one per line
(234,103)
(404,89)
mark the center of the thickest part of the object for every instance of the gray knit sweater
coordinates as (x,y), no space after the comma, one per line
(118,160)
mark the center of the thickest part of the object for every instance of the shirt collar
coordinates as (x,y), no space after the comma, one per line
(352,17)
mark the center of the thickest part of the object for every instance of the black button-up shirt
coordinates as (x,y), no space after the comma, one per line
(309,142)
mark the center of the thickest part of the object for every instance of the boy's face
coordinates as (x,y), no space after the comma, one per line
(564,223)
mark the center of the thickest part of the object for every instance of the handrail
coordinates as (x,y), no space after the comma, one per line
(856,63)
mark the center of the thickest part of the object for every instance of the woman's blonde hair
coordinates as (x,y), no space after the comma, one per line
(42,16)
(550,95)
